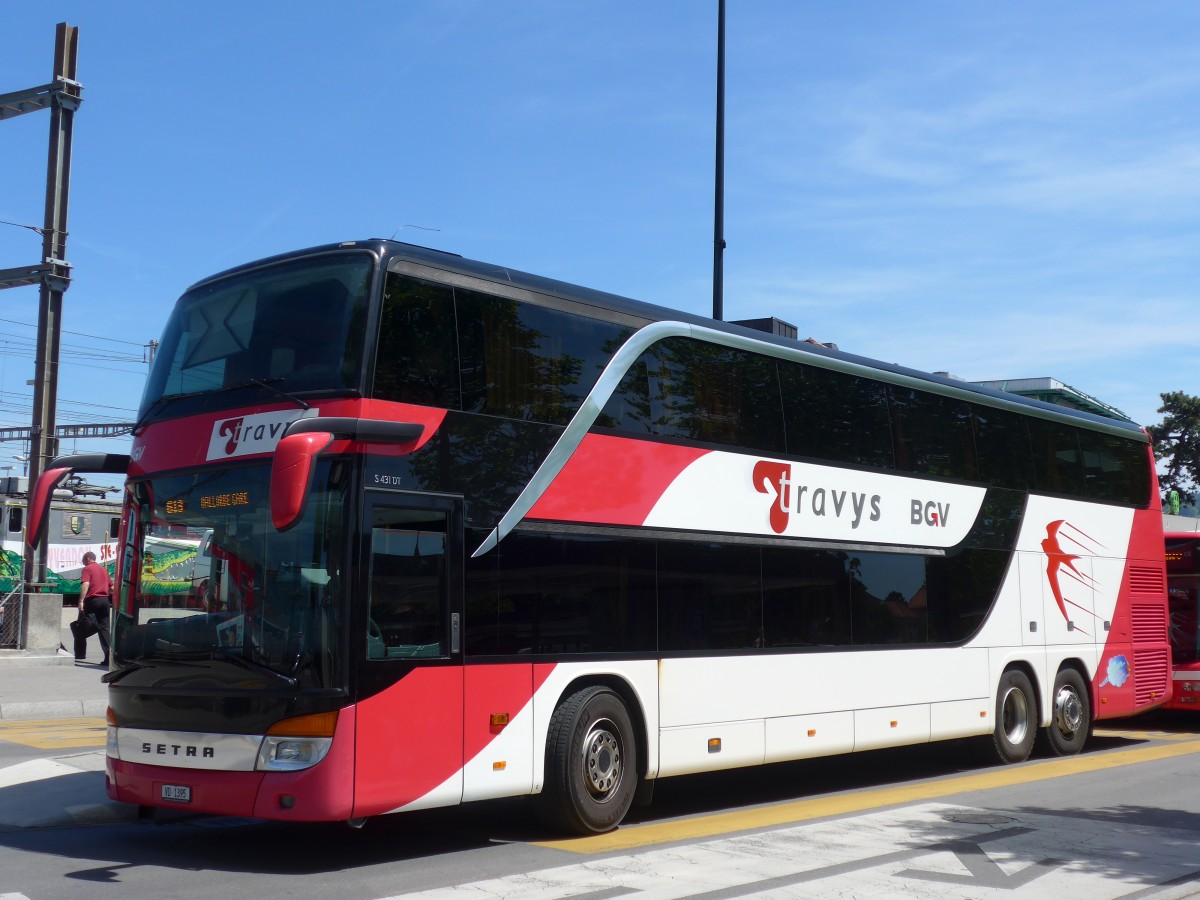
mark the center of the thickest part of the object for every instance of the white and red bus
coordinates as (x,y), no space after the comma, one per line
(1183,592)
(472,533)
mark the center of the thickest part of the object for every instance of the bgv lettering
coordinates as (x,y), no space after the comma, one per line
(932,514)
(803,499)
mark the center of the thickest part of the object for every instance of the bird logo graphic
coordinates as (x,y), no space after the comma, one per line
(1061,539)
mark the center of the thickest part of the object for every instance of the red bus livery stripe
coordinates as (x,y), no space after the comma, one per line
(613,481)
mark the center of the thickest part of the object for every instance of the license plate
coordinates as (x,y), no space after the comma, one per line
(177,793)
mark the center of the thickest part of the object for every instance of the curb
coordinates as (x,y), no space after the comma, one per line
(17,710)
(31,658)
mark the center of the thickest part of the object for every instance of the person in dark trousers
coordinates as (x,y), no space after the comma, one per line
(94,607)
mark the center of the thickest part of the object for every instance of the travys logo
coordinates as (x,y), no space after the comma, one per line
(254,433)
(821,500)
(731,493)
(1064,545)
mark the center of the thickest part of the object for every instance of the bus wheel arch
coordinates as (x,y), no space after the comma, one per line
(1070,711)
(595,758)
(1017,715)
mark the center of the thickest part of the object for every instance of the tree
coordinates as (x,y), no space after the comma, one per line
(1177,443)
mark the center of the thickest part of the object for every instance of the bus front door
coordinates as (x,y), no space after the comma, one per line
(408,649)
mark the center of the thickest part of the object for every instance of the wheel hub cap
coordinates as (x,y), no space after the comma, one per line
(602,760)
(1068,712)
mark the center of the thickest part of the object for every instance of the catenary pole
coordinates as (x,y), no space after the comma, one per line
(42,443)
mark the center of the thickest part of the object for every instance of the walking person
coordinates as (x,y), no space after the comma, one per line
(94,607)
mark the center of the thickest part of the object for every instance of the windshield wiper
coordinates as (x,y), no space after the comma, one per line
(270,387)
(117,674)
(167,399)
(247,663)
(159,403)
(214,654)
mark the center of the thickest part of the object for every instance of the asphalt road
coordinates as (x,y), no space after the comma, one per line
(1120,820)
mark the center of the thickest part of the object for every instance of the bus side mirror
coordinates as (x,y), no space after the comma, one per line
(55,474)
(39,502)
(291,475)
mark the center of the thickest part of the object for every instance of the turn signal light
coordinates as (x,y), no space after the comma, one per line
(315,725)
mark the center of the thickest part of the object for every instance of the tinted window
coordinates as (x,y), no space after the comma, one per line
(297,325)
(460,349)
(417,359)
(407,584)
(961,588)
(529,362)
(710,596)
(1002,442)
(628,409)
(572,594)
(889,600)
(806,597)
(1115,469)
(932,434)
(833,416)
(1056,459)
(703,392)
(595,594)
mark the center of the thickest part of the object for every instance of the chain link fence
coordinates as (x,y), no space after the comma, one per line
(12,609)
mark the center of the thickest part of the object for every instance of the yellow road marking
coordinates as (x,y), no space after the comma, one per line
(1131,735)
(820,807)
(54,734)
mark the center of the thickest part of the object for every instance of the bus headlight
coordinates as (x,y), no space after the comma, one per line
(290,754)
(296,743)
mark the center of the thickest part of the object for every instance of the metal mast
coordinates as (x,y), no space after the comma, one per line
(53,273)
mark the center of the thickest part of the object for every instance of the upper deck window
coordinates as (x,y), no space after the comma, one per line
(297,326)
(465,350)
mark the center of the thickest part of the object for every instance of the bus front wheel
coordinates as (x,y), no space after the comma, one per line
(590,763)
(1070,716)
(1016,718)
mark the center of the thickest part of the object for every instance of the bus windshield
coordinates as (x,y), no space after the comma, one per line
(207,577)
(296,326)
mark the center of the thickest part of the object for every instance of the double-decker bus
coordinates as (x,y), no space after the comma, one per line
(1183,592)
(473,533)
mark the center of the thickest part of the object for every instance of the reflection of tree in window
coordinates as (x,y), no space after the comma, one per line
(702,392)
(834,416)
(889,599)
(461,349)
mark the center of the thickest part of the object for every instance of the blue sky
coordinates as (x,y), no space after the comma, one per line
(997,191)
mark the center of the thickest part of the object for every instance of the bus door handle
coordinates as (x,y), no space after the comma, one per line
(455,633)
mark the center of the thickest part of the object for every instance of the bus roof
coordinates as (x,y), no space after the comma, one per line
(389,250)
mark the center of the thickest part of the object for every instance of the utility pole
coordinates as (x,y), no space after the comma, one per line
(719,192)
(62,97)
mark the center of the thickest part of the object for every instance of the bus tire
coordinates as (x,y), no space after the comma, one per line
(1016,718)
(1070,715)
(591,756)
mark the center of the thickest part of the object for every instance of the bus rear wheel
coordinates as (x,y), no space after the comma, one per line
(590,763)
(1016,718)
(1070,715)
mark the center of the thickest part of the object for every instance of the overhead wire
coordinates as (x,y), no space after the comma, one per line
(76,355)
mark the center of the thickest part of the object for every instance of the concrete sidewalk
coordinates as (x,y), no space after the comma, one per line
(52,686)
